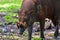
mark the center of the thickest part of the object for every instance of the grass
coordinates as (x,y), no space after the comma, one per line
(36,38)
(10,1)
(10,18)
(10,5)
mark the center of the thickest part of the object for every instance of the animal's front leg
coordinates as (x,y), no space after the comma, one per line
(42,22)
(21,30)
(30,32)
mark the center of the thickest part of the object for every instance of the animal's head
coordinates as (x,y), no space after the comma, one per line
(25,11)
(22,16)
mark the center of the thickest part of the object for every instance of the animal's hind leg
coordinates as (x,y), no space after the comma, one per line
(56,31)
(30,32)
(42,22)
(56,28)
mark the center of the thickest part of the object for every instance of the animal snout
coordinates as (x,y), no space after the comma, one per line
(21,24)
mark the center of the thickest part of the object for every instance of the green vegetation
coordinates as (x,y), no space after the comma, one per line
(11,18)
(10,5)
(12,36)
(36,38)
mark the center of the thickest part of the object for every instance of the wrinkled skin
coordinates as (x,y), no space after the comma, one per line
(37,10)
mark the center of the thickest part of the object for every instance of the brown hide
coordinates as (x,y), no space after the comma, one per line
(43,9)
(47,9)
(57,8)
(39,10)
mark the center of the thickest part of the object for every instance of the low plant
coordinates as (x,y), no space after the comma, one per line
(36,38)
(10,18)
(10,5)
